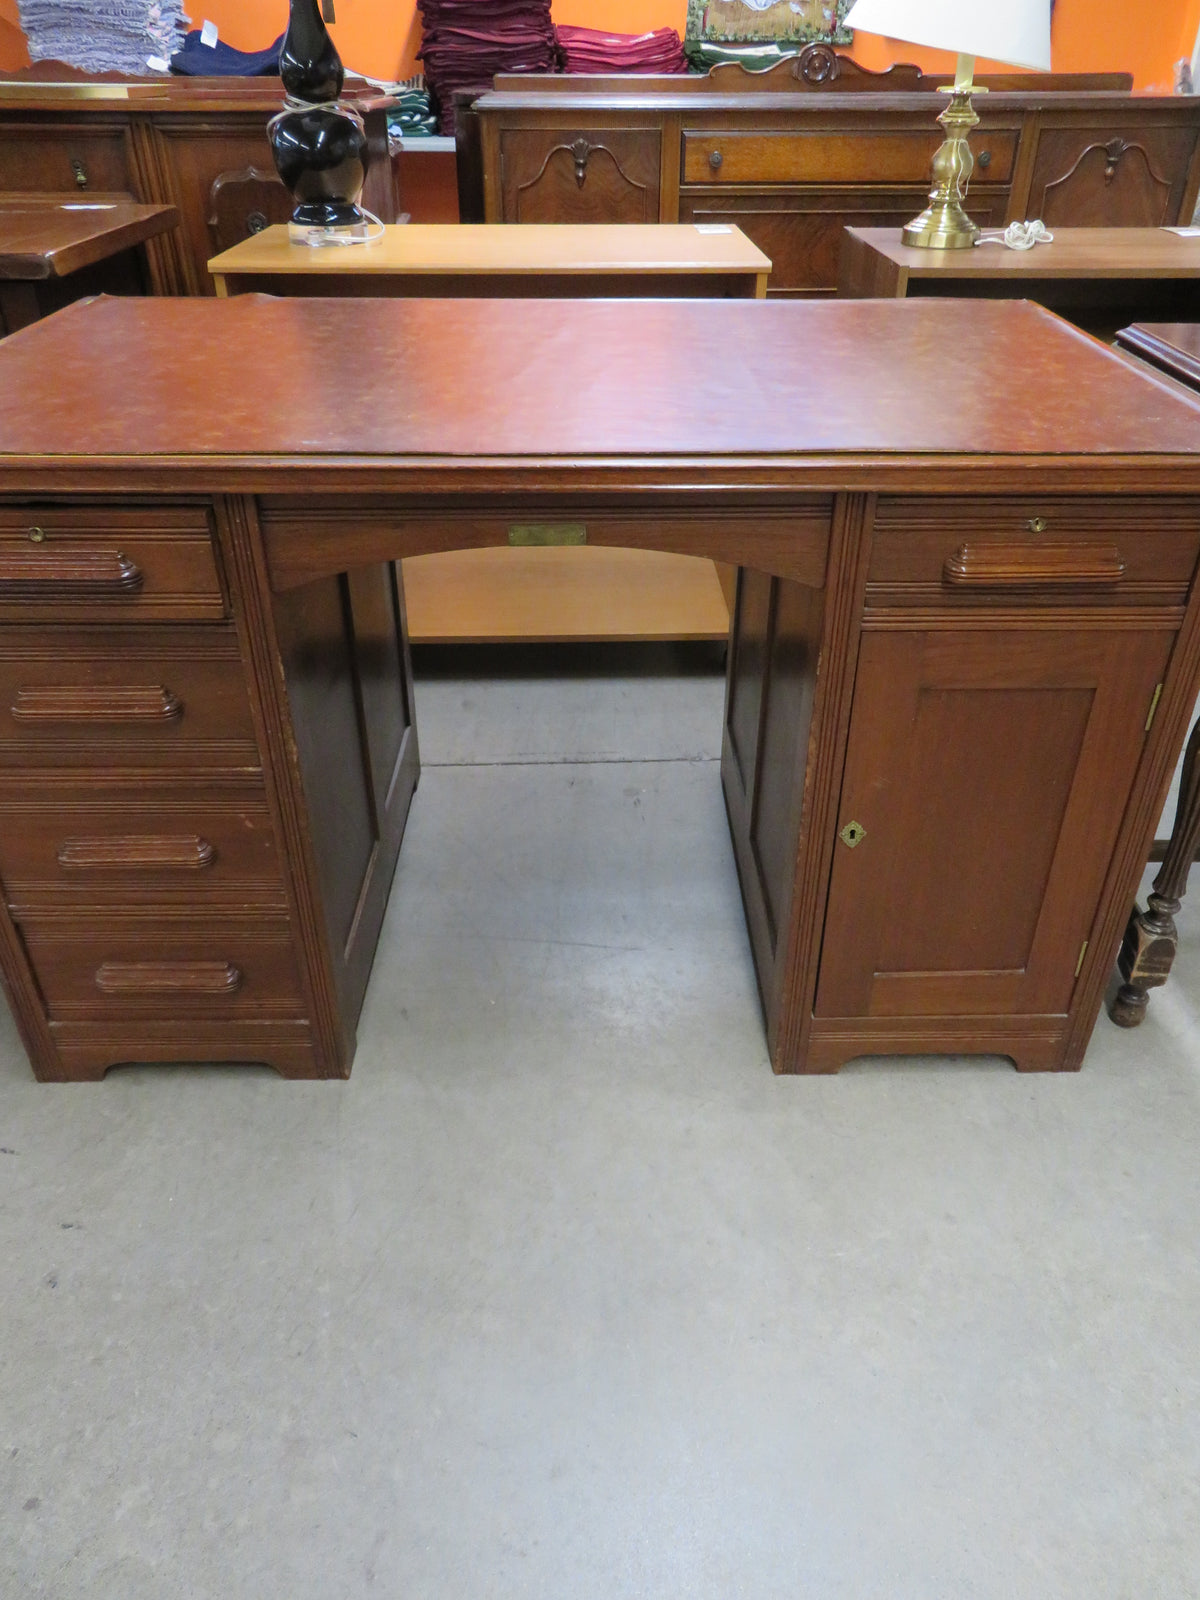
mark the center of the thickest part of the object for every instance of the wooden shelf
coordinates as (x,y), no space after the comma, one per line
(562,594)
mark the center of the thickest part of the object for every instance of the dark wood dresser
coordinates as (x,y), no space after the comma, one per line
(965,645)
(198,144)
(795,154)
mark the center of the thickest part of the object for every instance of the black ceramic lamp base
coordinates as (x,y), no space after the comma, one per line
(320,153)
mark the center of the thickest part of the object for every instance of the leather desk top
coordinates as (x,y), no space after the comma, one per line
(288,382)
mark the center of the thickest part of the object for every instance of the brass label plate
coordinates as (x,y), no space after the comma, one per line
(535,533)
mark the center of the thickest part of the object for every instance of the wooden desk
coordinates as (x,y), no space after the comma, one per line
(53,252)
(1098,278)
(1148,950)
(490,596)
(965,646)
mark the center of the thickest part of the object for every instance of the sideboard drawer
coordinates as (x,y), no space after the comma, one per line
(117,845)
(834,157)
(1130,552)
(138,696)
(104,564)
(132,968)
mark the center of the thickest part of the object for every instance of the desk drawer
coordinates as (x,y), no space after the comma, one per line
(126,846)
(835,157)
(204,967)
(1112,551)
(142,696)
(93,563)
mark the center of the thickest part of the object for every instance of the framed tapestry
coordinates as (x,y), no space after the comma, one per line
(770,22)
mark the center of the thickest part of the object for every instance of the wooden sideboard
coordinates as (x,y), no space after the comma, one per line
(965,646)
(795,154)
(197,144)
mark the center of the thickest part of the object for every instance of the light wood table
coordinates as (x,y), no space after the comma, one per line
(535,260)
(1099,278)
(54,250)
(531,595)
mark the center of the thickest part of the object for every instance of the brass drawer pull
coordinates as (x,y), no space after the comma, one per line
(149,853)
(1033,566)
(168,977)
(83,702)
(1037,524)
(60,573)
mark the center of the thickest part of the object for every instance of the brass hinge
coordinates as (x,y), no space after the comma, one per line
(1082,953)
(1154,707)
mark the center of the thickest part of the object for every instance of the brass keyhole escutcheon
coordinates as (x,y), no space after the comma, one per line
(1037,524)
(853,833)
(38,535)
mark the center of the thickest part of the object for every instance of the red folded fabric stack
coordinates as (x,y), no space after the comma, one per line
(587,50)
(468,41)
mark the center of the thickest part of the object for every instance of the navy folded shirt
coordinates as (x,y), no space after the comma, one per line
(196,60)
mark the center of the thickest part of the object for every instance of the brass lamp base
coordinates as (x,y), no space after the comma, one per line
(944,225)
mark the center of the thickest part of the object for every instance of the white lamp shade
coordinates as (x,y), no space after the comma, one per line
(1016,31)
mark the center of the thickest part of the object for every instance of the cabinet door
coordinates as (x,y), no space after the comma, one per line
(990,772)
(1123,177)
(579,174)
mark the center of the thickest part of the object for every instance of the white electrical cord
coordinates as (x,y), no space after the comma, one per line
(1018,235)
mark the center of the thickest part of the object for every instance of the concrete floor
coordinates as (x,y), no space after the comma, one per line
(563,1294)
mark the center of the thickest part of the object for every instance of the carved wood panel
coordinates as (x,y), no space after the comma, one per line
(243,203)
(1123,179)
(602,175)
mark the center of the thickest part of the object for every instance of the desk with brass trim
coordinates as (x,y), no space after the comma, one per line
(965,646)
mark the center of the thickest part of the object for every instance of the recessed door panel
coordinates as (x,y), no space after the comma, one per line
(988,773)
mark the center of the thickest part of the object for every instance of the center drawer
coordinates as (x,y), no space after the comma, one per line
(91,563)
(843,156)
(956,550)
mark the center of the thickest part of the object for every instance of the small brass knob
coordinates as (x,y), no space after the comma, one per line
(80,172)
(1037,524)
(715,159)
(984,158)
(37,535)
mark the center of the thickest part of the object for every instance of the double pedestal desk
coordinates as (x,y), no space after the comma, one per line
(965,645)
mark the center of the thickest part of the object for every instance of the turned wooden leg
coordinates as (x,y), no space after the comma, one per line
(1150,942)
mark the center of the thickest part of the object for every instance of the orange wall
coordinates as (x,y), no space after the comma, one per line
(12,41)
(381,37)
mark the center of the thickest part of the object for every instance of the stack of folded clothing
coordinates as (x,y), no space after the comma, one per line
(468,41)
(104,35)
(587,50)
